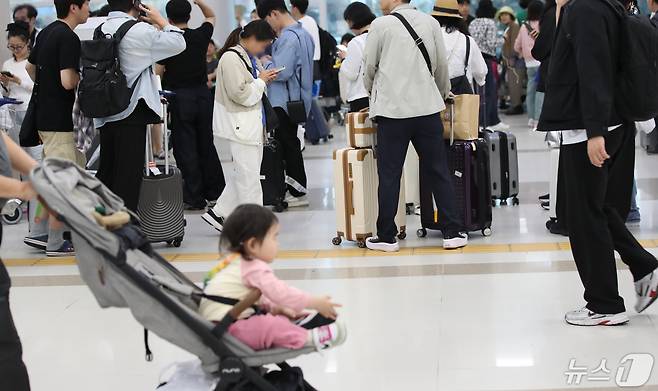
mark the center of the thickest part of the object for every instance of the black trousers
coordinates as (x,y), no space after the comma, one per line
(286,135)
(13,374)
(359,104)
(194,149)
(598,202)
(426,134)
(121,167)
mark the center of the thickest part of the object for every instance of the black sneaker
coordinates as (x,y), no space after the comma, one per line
(555,227)
(545,197)
(215,221)
(38,242)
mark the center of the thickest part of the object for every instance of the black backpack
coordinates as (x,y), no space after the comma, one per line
(637,80)
(103,90)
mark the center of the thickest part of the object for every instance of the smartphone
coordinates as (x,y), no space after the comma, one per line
(278,70)
(341,48)
(5,73)
(138,6)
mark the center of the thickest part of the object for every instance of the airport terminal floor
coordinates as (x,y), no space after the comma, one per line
(488,317)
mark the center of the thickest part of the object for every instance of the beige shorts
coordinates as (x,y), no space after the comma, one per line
(62,145)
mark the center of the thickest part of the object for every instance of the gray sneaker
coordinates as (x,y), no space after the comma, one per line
(585,317)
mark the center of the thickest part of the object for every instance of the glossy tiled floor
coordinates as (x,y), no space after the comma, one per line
(486,318)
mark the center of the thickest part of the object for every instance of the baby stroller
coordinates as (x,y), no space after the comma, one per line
(122,270)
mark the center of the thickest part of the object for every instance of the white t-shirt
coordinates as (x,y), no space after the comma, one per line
(455,43)
(577,136)
(22,92)
(311,27)
(352,69)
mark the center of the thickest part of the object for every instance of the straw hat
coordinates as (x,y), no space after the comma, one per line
(447,8)
(506,10)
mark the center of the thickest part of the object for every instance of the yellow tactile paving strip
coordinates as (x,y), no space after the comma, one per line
(344,252)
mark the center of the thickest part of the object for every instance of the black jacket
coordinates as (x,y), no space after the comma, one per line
(580,89)
(544,43)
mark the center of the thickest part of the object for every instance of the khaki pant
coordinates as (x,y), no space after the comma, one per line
(62,145)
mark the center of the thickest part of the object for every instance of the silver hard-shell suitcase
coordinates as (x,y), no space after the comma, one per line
(504,163)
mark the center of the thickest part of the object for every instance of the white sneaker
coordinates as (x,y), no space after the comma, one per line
(647,291)
(377,244)
(499,127)
(330,336)
(296,202)
(531,123)
(585,317)
(455,242)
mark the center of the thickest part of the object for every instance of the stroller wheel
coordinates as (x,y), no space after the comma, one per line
(13,218)
(337,241)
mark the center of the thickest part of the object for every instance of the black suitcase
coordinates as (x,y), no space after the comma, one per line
(649,142)
(468,162)
(504,165)
(273,176)
(160,208)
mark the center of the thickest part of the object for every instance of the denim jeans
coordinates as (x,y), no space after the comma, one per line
(534,99)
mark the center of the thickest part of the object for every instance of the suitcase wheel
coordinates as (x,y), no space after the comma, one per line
(516,202)
(280,207)
(402,235)
(361,244)
(421,233)
(336,241)
(14,218)
(486,232)
(176,242)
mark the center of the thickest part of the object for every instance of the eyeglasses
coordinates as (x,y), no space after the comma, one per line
(15,48)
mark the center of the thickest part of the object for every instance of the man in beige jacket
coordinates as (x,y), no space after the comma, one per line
(407,89)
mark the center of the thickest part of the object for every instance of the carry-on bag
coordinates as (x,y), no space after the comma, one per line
(357,206)
(468,162)
(361,131)
(160,207)
(461,117)
(273,176)
(504,162)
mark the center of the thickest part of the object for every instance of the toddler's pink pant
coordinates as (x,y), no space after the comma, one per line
(262,332)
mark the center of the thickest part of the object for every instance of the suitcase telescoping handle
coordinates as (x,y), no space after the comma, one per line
(450,101)
(150,158)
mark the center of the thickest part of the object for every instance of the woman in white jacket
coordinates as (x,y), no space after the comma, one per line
(358,17)
(239,118)
(455,35)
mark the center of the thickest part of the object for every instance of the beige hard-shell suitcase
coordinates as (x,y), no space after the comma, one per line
(356,183)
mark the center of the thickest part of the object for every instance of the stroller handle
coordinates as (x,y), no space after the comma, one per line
(249,301)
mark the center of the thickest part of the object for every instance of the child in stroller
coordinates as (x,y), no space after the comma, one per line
(250,234)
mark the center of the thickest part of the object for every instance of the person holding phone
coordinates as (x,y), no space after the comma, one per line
(14,78)
(239,117)
(123,136)
(358,17)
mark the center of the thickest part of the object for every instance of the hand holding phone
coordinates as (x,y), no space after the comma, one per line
(8,74)
(280,69)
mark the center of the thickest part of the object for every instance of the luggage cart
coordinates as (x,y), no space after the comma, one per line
(12,212)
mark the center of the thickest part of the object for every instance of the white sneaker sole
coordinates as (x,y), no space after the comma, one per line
(383,247)
(644,302)
(608,320)
(212,222)
(297,204)
(58,254)
(454,244)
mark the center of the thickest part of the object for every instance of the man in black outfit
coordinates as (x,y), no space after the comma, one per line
(597,158)
(191,111)
(28,14)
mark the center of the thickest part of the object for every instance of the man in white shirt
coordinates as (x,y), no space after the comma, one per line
(298,11)
(123,136)
(407,89)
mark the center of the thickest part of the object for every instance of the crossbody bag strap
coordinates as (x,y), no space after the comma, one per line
(468,54)
(299,79)
(417,40)
(241,58)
